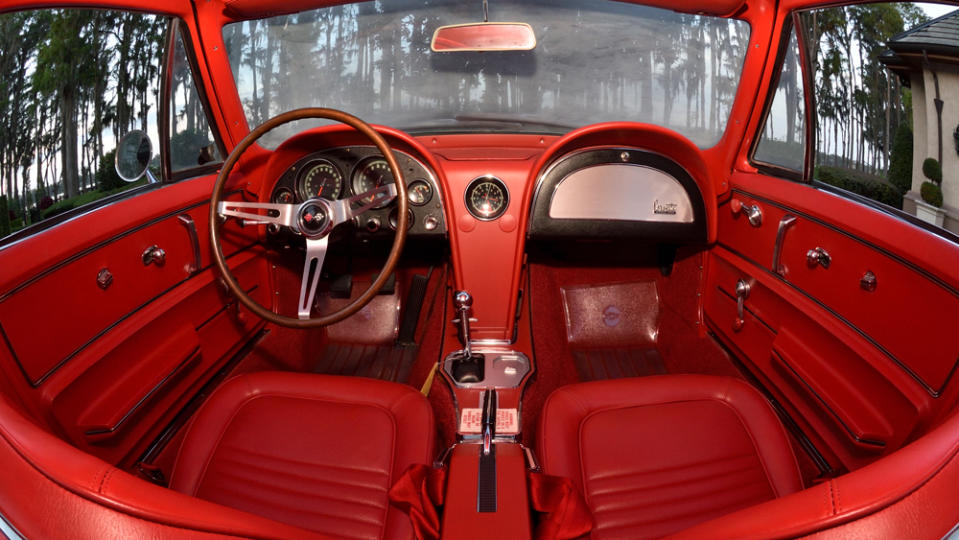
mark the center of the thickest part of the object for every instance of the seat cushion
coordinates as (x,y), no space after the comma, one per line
(654,455)
(319,452)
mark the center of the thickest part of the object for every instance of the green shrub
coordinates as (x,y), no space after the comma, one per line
(900,162)
(932,170)
(106,175)
(869,186)
(59,208)
(4,217)
(931,193)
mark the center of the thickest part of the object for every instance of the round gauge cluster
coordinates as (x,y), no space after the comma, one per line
(419,192)
(348,172)
(320,178)
(487,198)
(370,174)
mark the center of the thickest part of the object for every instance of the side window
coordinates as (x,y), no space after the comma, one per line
(886,112)
(71,82)
(782,142)
(191,140)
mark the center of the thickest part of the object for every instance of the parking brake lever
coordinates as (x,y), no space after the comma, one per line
(489,419)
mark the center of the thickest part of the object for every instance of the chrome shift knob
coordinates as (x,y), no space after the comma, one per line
(462,300)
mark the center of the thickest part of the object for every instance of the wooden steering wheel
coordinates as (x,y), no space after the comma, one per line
(314,219)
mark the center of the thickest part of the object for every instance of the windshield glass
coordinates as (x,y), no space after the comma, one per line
(595,61)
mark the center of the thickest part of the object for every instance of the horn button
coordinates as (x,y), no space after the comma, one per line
(314,218)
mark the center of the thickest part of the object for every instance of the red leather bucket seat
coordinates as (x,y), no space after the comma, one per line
(314,451)
(655,455)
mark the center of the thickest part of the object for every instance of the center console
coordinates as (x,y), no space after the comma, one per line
(486,494)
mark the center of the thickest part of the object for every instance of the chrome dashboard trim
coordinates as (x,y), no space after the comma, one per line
(618,191)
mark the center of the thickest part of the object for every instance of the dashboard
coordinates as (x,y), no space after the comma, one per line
(495,199)
(348,171)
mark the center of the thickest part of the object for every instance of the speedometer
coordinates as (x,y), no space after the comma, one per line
(320,178)
(371,174)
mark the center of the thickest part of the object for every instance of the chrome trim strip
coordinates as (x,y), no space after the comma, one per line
(8,529)
(805,383)
(905,262)
(953,534)
(791,426)
(54,267)
(194,354)
(113,325)
(236,354)
(932,391)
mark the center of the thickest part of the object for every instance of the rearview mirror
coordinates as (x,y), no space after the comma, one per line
(134,152)
(485,36)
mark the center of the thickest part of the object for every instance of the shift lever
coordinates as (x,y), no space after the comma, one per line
(463,303)
(467,367)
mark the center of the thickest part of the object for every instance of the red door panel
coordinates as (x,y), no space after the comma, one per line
(125,358)
(901,287)
(860,370)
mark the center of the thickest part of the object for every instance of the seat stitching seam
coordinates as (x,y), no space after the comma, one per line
(258,395)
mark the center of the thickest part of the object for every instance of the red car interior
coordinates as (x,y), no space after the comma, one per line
(727,388)
(648,453)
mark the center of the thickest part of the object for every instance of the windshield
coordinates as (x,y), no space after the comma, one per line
(594,61)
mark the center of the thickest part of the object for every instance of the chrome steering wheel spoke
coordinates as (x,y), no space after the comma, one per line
(344,211)
(277,214)
(312,268)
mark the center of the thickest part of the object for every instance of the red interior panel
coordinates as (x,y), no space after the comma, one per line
(804,355)
(926,306)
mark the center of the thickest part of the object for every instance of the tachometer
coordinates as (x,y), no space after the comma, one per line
(487,197)
(371,174)
(320,178)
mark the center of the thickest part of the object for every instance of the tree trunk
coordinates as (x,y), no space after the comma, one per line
(69,142)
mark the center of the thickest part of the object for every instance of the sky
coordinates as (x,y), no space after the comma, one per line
(937,10)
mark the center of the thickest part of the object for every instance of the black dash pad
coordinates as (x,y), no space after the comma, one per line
(486,500)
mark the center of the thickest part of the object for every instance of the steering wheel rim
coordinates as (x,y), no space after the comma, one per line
(399,239)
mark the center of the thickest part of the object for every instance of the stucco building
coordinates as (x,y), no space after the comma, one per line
(927,59)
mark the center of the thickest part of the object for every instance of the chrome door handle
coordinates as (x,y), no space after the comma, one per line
(742,293)
(787,221)
(818,256)
(187,222)
(752,211)
(155,255)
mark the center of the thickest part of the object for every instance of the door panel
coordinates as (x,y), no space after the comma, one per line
(108,368)
(861,371)
(900,286)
